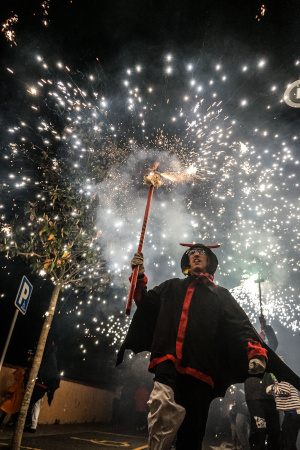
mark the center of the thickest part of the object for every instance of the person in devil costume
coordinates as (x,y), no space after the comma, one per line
(201,342)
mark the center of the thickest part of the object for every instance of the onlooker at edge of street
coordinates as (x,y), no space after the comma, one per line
(287,400)
(141,398)
(15,396)
(48,380)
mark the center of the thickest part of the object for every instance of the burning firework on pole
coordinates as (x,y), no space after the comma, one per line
(152,180)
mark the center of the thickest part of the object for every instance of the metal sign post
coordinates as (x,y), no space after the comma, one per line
(21,304)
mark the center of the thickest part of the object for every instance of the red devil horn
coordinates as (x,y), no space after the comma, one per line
(208,246)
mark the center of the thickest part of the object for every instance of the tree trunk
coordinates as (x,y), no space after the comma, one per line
(18,432)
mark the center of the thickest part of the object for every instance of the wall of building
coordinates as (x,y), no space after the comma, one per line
(72,402)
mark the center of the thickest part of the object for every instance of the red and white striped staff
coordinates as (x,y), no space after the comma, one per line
(152,180)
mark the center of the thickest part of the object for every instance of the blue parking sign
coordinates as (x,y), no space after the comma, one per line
(23,296)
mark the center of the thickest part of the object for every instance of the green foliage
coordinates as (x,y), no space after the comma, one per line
(57,233)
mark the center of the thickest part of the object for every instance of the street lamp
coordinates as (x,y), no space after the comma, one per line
(261,318)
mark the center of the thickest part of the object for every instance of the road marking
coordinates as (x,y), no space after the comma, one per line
(110,443)
(140,448)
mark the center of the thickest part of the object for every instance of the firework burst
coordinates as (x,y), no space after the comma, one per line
(229,170)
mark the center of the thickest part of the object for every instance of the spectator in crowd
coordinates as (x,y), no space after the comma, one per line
(14,398)
(141,398)
(47,382)
(287,400)
(117,405)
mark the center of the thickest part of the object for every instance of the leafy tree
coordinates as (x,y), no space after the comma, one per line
(64,148)
(56,235)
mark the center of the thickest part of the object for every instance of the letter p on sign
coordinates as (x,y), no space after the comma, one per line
(23,295)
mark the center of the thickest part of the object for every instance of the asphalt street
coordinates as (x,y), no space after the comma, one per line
(77,436)
(86,437)
(80,440)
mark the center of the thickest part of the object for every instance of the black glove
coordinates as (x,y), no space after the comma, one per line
(138,260)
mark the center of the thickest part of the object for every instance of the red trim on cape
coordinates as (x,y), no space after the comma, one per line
(196,374)
(180,340)
(41,385)
(161,359)
(184,319)
(182,370)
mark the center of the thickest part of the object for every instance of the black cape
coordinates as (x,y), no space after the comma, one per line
(149,318)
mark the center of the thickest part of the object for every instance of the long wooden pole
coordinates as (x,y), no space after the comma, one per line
(140,248)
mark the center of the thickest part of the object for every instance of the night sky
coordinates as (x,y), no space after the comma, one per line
(240,55)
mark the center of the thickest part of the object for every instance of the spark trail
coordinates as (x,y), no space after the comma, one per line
(227,152)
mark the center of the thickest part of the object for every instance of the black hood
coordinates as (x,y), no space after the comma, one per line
(212,257)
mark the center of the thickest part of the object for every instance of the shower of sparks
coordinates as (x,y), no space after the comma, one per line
(6,230)
(261,13)
(45,6)
(191,173)
(248,296)
(7,29)
(232,170)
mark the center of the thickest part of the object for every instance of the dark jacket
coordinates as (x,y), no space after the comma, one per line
(216,340)
(256,385)
(48,378)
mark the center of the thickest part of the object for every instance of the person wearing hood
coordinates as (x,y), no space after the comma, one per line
(15,396)
(47,382)
(201,341)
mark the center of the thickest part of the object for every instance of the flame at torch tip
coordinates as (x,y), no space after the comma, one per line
(153,179)
(192,170)
(181,177)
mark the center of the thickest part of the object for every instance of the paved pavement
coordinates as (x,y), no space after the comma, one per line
(87,437)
